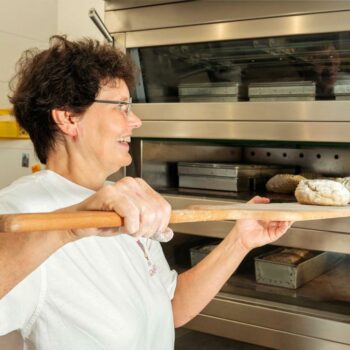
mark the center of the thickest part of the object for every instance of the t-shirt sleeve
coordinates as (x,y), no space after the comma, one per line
(19,306)
(167,276)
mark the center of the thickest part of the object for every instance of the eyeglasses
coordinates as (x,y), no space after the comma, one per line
(123,106)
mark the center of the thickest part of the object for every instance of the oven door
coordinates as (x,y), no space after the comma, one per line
(287,75)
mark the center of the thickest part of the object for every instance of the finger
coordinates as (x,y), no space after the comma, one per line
(108,231)
(259,200)
(131,215)
(149,213)
(137,217)
(160,207)
(164,236)
(148,222)
(125,206)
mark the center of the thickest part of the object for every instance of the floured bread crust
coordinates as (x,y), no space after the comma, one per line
(345,181)
(322,192)
(284,183)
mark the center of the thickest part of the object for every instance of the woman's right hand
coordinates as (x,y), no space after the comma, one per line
(146,213)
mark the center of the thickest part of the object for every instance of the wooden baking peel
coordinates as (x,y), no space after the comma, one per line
(84,219)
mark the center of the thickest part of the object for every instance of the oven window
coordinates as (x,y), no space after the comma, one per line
(297,68)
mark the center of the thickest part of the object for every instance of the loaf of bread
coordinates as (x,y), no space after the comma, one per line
(322,192)
(284,258)
(345,181)
(283,183)
(290,256)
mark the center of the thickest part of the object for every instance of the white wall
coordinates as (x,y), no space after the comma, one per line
(73,19)
(23,24)
(27,24)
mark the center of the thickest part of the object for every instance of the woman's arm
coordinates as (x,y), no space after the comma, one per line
(22,253)
(198,285)
(144,211)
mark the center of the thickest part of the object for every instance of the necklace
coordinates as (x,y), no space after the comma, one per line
(152,268)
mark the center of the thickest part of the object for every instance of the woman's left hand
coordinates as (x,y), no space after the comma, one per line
(255,233)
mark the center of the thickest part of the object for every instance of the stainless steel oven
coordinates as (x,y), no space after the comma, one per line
(248,82)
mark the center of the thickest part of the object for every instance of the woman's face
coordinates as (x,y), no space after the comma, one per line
(104,131)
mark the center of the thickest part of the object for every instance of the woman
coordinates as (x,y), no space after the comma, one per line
(111,292)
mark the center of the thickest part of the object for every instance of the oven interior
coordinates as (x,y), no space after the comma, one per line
(157,160)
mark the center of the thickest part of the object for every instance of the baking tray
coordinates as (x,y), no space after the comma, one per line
(222,183)
(209,89)
(342,90)
(227,177)
(199,252)
(290,275)
(281,98)
(231,169)
(218,98)
(273,91)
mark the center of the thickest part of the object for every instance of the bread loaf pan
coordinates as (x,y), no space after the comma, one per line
(291,275)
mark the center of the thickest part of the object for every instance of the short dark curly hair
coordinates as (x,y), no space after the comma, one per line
(68,75)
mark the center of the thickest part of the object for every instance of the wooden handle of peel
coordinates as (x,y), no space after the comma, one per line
(85,219)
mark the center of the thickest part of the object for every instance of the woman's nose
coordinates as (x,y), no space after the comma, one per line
(133,120)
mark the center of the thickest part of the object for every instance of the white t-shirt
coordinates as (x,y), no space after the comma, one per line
(95,293)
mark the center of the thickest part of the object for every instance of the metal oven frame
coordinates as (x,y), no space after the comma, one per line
(267,323)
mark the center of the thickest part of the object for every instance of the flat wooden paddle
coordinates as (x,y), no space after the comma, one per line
(84,219)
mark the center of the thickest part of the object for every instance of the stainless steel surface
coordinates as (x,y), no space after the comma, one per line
(230,169)
(255,28)
(328,161)
(182,14)
(273,324)
(155,161)
(176,151)
(127,4)
(186,339)
(282,90)
(316,239)
(293,275)
(276,325)
(218,183)
(342,90)
(262,336)
(213,98)
(120,41)
(268,130)
(313,111)
(226,176)
(208,89)
(200,252)
(100,25)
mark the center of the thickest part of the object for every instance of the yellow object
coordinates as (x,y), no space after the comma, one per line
(9,129)
(36,167)
(4,111)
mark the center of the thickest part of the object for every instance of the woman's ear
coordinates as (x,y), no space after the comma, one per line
(65,121)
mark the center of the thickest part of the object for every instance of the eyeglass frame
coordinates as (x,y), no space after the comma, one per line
(123,103)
